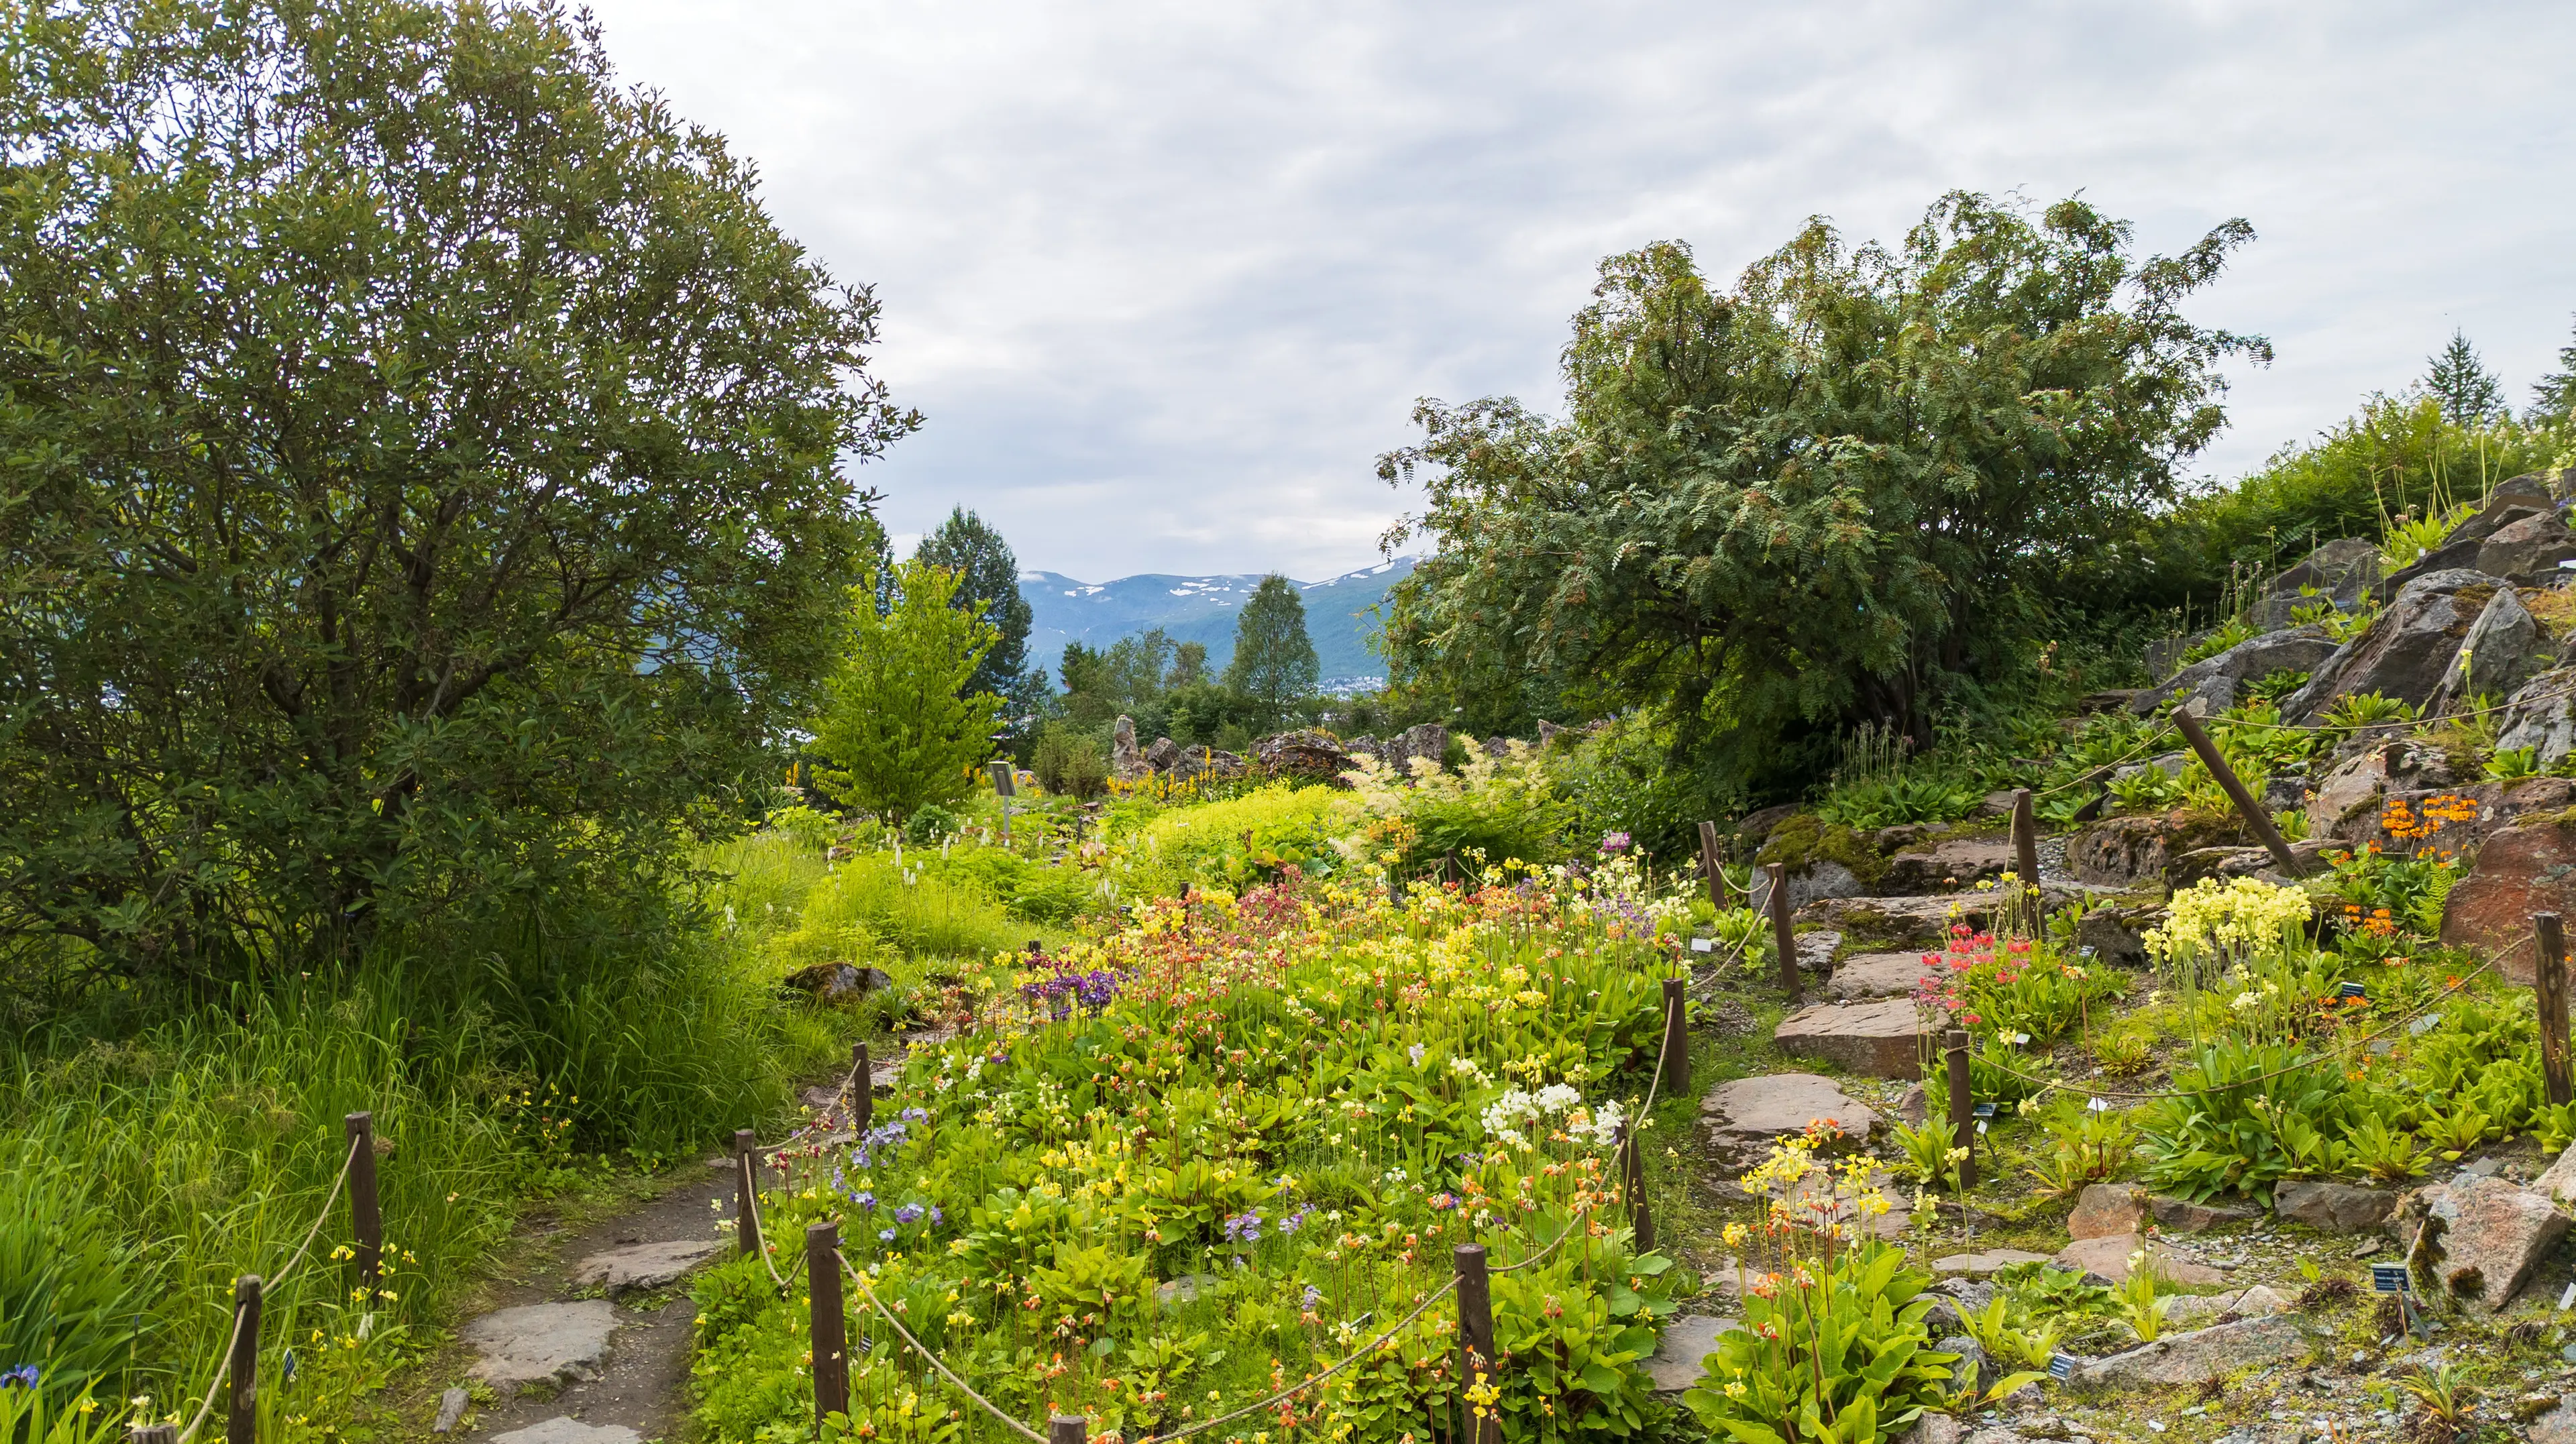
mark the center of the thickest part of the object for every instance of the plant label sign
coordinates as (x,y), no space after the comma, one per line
(2388,1278)
(1983,1110)
(1004,784)
(2098,1105)
(1703,945)
(2061,1367)
(2352,990)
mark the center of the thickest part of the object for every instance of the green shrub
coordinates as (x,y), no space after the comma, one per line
(1069,762)
(1234,842)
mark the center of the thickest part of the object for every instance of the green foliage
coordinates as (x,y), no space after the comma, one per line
(2457,381)
(2225,635)
(423,480)
(76,1300)
(1626,777)
(1844,1360)
(2251,1113)
(988,586)
(897,725)
(1071,763)
(2380,1151)
(1886,801)
(1926,1149)
(1769,510)
(2367,709)
(47,1414)
(2141,1306)
(2086,1145)
(1274,661)
(1234,842)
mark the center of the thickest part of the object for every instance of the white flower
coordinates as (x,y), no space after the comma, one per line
(2242,1001)
(1556,1098)
(1604,1128)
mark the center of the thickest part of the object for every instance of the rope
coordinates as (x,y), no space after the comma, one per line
(224,1365)
(840,1098)
(1562,1235)
(2302,1065)
(760,1230)
(989,1407)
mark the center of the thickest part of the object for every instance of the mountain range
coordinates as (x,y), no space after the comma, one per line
(1203,609)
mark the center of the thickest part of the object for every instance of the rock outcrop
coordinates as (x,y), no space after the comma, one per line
(2541,715)
(2406,651)
(2481,1239)
(2212,684)
(1126,763)
(1312,755)
(2519,871)
(2333,1207)
(2502,650)
(2198,1356)
(2340,573)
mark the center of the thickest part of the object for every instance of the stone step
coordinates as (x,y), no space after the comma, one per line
(564,1429)
(1918,921)
(1876,975)
(1888,1038)
(1743,1118)
(643,1267)
(541,1343)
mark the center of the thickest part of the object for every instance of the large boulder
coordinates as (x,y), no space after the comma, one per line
(1808,882)
(2519,871)
(1877,975)
(2128,851)
(2528,551)
(1890,1038)
(1948,865)
(2349,794)
(2481,1238)
(2107,1256)
(1125,762)
(2514,500)
(2198,1356)
(1429,741)
(2105,1210)
(1315,756)
(2541,715)
(2340,572)
(2212,684)
(2406,651)
(2332,1207)
(1746,1116)
(2503,648)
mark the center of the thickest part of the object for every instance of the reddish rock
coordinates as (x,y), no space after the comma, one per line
(1886,1039)
(1744,1117)
(2109,1255)
(2105,1209)
(2520,871)
(2482,1237)
(1877,975)
(2498,805)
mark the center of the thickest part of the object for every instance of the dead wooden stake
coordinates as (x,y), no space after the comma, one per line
(827,1326)
(863,1090)
(2246,807)
(746,1190)
(1677,1072)
(241,1421)
(151,1434)
(1066,1429)
(2025,831)
(1963,1124)
(1475,1337)
(2551,983)
(1711,862)
(366,1221)
(1782,933)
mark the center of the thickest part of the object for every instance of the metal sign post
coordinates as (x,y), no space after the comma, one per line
(1005,790)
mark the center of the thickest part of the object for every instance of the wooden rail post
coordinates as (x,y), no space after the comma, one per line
(2256,819)
(151,1434)
(1963,1125)
(1475,1339)
(1782,933)
(1710,861)
(2550,981)
(366,1222)
(241,1417)
(1066,1429)
(1677,1072)
(2025,831)
(863,1090)
(746,1190)
(1632,1170)
(827,1326)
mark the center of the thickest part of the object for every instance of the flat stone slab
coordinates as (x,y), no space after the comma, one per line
(451,1409)
(563,1430)
(2333,1207)
(645,1266)
(541,1343)
(2180,1215)
(1886,1039)
(1746,1116)
(2104,1209)
(2200,1355)
(1675,1365)
(1876,975)
(2108,1256)
(1916,921)
(1816,950)
(2192,1311)
(1983,1265)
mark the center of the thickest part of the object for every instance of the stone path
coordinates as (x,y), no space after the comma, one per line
(589,1342)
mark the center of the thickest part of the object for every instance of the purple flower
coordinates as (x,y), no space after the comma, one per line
(915,1115)
(909,1213)
(1244,1227)
(1314,1296)
(866,1201)
(1288,1226)
(936,1217)
(1415,1053)
(1613,843)
(885,1235)
(22,1377)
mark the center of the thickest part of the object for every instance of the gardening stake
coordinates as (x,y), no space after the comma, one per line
(863,1090)
(2246,807)
(1065,1429)
(2551,983)
(1781,932)
(2025,830)
(828,1328)
(151,1434)
(1709,863)
(746,1188)
(241,1421)
(366,1225)
(1641,1225)
(1475,1336)
(1676,1038)
(1963,1127)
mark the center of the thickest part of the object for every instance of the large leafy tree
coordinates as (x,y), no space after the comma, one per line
(422,470)
(1274,660)
(899,727)
(989,586)
(1821,495)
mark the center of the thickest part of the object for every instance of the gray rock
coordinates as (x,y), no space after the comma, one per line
(1954,863)
(1876,975)
(2528,551)
(1818,880)
(2501,651)
(2179,1215)
(1885,1039)
(1983,1264)
(451,1411)
(1816,949)
(1934,1429)
(2107,1257)
(644,1266)
(2199,1355)
(1125,761)
(1921,922)
(2191,1311)
(563,1430)
(1675,1364)
(2333,1207)
(2211,685)
(1746,1116)
(2406,651)
(1972,1355)
(1914,1105)
(2558,1426)
(2111,938)
(2341,572)
(2483,1236)
(2558,1180)
(541,1343)
(1430,741)
(837,982)
(2541,715)
(2510,502)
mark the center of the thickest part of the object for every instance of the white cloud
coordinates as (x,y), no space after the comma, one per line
(1166,278)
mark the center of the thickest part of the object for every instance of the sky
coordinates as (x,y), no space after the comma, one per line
(1166,279)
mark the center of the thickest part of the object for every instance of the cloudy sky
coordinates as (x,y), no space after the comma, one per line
(1166,278)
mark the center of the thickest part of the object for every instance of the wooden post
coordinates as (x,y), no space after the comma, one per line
(1475,1338)
(366,1224)
(746,1190)
(828,1329)
(1711,862)
(1632,1170)
(1641,1225)
(1677,1072)
(1963,1123)
(151,1434)
(2256,819)
(1782,933)
(1066,1429)
(2551,982)
(241,1420)
(2025,831)
(863,1090)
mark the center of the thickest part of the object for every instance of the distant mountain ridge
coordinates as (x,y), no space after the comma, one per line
(1203,609)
